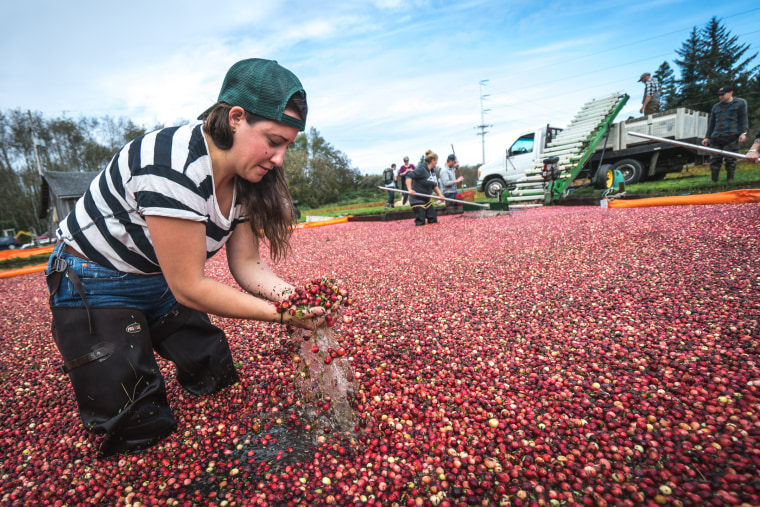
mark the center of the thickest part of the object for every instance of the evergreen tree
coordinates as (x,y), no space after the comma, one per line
(752,95)
(690,88)
(712,58)
(665,75)
(723,61)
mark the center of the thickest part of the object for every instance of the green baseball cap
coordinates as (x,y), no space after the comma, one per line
(261,87)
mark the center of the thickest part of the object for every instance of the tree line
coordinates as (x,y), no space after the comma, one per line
(30,142)
(317,172)
(711,57)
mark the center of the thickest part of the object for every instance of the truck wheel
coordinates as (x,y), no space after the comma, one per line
(631,170)
(604,177)
(494,187)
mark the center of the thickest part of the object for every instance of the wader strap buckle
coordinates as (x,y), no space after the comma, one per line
(57,268)
(100,352)
(59,265)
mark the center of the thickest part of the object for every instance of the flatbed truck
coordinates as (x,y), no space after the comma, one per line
(594,149)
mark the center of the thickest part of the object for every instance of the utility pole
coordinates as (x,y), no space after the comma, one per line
(483,125)
(34,143)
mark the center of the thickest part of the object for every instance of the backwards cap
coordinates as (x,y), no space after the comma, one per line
(262,87)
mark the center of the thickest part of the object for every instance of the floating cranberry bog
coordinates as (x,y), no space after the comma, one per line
(553,356)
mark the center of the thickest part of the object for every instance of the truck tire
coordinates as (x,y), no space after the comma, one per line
(604,177)
(494,188)
(631,170)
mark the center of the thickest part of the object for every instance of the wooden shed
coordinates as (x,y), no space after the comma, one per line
(60,192)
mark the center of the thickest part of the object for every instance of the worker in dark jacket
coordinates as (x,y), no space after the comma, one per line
(423,181)
(725,130)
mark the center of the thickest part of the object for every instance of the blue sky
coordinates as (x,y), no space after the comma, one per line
(384,78)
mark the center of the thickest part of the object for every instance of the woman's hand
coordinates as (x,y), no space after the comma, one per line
(310,320)
(752,154)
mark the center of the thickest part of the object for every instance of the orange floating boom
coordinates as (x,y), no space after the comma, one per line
(742,196)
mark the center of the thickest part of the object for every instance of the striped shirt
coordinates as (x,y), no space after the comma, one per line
(652,89)
(728,120)
(164,173)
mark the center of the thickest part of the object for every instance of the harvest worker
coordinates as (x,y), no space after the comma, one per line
(127,274)
(402,172)
(752,153)
(449,180)
(650,104)
(422,180)
(726,128)
(389,178)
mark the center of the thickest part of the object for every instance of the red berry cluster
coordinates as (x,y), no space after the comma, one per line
(331,353)
(319,292)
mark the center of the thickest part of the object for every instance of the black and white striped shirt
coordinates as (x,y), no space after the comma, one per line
(164,173)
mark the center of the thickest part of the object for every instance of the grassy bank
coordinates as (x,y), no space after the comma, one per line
(692,180)
(20,262)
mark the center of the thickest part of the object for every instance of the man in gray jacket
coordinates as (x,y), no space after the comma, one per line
(448,179)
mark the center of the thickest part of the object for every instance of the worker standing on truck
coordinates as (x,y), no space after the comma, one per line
(726,128)
(650,104)
(752,155)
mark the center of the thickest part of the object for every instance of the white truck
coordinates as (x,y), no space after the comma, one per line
(637,159)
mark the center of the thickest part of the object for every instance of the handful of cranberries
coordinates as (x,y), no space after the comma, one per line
(322,292)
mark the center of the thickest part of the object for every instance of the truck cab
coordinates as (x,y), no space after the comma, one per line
(496,176)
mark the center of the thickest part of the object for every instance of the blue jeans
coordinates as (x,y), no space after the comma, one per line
(109,287)
(391,196)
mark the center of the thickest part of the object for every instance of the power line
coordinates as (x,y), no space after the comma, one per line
(596,71)
(565,78)
(629,44)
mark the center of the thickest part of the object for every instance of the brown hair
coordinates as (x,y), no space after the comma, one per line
(430,156)
(268,204)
